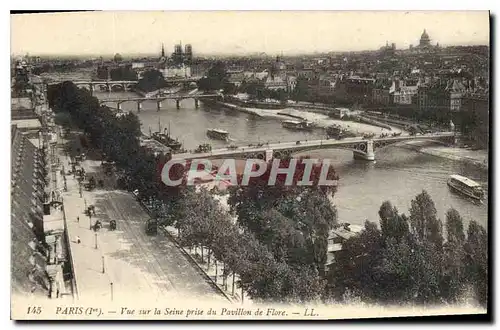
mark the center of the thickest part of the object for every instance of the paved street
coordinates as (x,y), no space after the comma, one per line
(139,266)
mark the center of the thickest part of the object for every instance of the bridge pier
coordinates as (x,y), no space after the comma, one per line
(365,152)
(119,105)
(178,104)
(158,105)
(91,89)
(196,103)
(139,106)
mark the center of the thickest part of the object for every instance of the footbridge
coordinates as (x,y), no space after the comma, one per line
(159,99)
(362,148)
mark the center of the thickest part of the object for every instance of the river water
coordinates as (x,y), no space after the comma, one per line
(398,174)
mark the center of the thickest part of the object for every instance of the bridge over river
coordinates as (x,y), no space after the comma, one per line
(125,85)
(159,99)
(362,148)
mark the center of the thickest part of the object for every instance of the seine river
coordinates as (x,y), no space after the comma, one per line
(398,174)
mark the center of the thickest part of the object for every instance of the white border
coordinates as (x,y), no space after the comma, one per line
(187,5)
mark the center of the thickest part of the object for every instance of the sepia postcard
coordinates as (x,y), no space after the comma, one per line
(249,165)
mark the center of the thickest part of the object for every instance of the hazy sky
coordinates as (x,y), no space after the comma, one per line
(239,32)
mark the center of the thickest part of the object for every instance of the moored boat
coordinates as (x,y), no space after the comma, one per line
(165,138)
(338,132)
(466,186)
(218,134)
(302,125)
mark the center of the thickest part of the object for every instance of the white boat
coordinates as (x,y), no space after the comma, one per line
(466,186)
(218,134)
(297,125)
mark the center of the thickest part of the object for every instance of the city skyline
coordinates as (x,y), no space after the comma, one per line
(270,32)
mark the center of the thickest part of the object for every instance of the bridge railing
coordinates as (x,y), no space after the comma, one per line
(305,143)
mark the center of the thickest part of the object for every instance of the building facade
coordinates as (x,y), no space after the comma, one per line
(475,109)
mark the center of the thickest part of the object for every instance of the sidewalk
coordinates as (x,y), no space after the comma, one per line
(215,273)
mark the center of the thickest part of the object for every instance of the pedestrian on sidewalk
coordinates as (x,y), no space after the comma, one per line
(78,240)
(78,219)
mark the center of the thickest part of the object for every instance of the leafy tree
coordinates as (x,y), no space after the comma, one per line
(453,284)
(392,224)
(476,259)
(216,78)
(151,80)
(423,220)
(292,221)
(395,265)
(123,73)
(354,268)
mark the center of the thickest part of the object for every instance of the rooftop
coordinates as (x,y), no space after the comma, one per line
(24,124)
(18,103)
(346,231)
(27,255)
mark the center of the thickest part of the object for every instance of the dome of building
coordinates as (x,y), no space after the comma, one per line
(425,35)
(425,40)
(118,58)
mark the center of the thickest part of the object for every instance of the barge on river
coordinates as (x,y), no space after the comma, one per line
(301,125)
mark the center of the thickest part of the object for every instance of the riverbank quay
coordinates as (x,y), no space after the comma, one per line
(478,158)
(238,108)
(319,120)
(213,269)
(125,263)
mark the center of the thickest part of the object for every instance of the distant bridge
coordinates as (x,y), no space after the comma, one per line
(125,85)
(362,148)
(159,99)
(107,85)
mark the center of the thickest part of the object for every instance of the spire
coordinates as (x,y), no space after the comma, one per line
(162,50)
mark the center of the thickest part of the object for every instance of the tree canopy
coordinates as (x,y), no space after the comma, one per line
(151,80)
(216,78)
(409,261)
